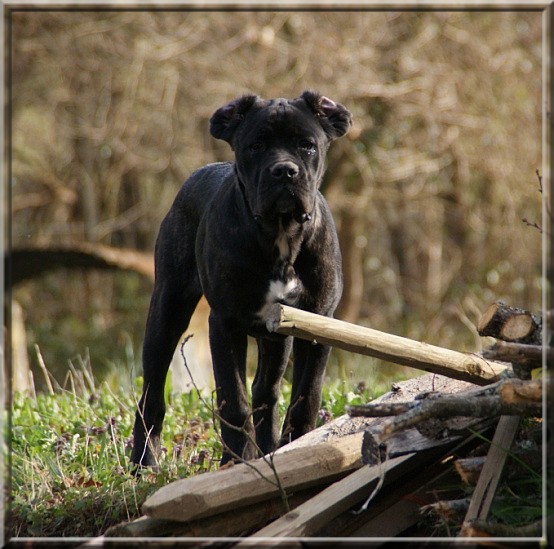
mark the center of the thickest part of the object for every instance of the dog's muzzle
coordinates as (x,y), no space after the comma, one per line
(291,199)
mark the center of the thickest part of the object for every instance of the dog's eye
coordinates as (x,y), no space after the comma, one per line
(307,145)
(256,146)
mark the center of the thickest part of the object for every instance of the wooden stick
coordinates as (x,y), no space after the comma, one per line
(511,397)
(252,482)
(489,478)
(319,329)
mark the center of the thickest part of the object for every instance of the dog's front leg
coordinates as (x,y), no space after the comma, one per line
(272,362)
(307,382)
(228,343)
(170,310)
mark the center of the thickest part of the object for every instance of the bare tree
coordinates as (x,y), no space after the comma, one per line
(110,114)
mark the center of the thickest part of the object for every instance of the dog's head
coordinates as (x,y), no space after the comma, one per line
(280,147)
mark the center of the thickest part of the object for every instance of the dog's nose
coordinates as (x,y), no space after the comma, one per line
(284,171)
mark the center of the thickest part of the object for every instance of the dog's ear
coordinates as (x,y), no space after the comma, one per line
(226,120)
(335,118)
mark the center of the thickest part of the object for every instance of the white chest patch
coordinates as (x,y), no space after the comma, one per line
(279,292)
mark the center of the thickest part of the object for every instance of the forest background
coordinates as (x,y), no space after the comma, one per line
(434,191)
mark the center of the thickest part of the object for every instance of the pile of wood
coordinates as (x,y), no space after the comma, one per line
(369,473)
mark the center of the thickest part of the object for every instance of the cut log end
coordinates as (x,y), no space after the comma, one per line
(510,324)
(517,327)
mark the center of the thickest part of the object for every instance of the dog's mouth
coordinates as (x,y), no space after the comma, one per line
(289,204)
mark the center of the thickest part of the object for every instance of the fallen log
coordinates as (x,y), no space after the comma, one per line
(254,481)
(402,391)
(319,329)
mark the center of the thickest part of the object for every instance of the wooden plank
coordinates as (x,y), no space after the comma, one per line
(249,483)
(396,508)
(236,522)
(489,478)
(332,501)
(401,509)
(400,350)
(434,469)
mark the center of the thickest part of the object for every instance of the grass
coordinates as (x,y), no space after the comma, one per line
(70,472)
(70,447)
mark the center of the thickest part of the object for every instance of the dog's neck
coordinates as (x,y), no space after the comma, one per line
(288,241)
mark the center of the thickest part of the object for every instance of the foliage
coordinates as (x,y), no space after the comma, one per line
(110,114)
(70,474)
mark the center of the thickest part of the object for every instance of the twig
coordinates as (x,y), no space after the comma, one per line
(148,442)
(548,212)
(534,225)
(483,495)
(44,370)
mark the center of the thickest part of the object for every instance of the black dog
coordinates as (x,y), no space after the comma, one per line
(247,235)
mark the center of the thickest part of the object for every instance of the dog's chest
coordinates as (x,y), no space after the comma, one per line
(284,285)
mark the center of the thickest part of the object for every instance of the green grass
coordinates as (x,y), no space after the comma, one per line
(70,472)
(69,454)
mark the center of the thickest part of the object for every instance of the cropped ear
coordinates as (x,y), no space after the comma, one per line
(334,117)
(226,120)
